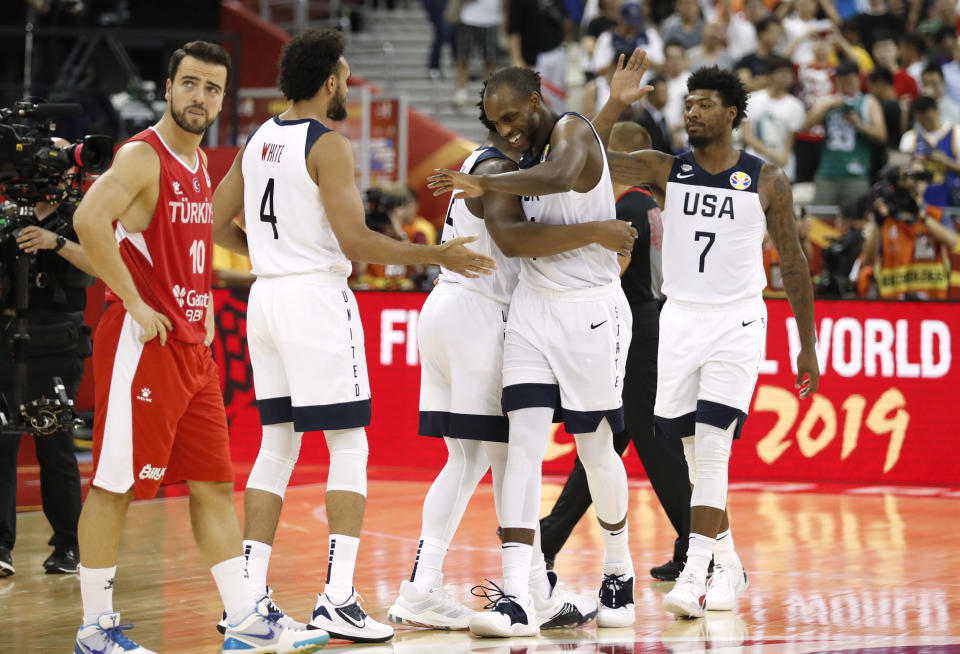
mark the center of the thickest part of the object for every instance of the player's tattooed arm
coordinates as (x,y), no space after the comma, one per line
(227,205)
(518,237)
(776,197)
(640,168)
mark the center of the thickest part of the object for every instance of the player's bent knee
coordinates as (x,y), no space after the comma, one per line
(348,460)
(279,451)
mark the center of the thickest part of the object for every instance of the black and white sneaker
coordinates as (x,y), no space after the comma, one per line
(563,609)
(348,621)
(616,596)
(503,615)
(6,562)
(62,562)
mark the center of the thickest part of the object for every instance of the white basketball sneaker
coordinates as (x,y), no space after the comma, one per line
(563,609)
(725,586)
(504,615)
(433,609)
(688,597)
(284,620)
(616,596)
(348,621)
(105,636)
(259,633)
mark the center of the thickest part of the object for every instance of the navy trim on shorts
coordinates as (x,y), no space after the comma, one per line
(710,413)
(528,396)
(321,417)
(586,422)
(275,410)
(492,429)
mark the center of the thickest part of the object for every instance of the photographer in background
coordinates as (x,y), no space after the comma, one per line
(908,251)
(59,342)
(838,278)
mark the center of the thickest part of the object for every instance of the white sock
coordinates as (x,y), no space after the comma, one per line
(539,583)
(343,557)
(257,557)
(723,551)
(699,553)
(428,568)
(234,589)
(616,545)
(96,592)
(516,569)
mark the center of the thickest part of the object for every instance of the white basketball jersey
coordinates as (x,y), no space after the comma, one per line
(461,222)
(287,228)
(713,228)
(584,267)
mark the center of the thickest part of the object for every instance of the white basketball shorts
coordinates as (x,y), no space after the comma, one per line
(707,365)
(307,354)
(460,334)
(568,350)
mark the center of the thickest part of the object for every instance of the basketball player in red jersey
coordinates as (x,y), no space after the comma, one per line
(147,226)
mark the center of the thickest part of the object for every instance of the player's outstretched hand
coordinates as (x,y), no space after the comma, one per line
(444,181)
(616,236)
(807,367)
(454,256)
(625,85)
(154,323)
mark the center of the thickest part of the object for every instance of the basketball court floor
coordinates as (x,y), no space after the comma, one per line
(832,569)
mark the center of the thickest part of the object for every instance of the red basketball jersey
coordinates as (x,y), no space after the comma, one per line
(170,260)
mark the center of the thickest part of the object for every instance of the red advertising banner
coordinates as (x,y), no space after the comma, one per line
(883,413)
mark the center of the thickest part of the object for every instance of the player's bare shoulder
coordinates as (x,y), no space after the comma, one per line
(774,188)
(331,154)
(134,177)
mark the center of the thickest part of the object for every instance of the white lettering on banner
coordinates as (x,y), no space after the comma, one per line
(851,348)
(391,336)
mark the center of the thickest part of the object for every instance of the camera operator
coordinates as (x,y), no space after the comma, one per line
(908,249)
(59,342)
(840,257)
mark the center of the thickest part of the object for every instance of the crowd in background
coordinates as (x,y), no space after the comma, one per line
(857,100)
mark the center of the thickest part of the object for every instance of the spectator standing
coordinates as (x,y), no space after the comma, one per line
(742,28)
(852,121)
(936,143)
(631,32)
(877,20)
(880,86)
(815,82)
(606,20)
(650,116)
(932,84)
(676,70)
(684,25)
(885,56)
(801,26)
(476,36)
(535,32)
(774,118)
(913,51)
(769,33)
(442,33)
(712,50)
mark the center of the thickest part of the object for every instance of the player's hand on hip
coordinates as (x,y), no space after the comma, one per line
(444,181)
(808,372)
(616,235)
(209,324)
(154,323)
(625,85)
(454,256)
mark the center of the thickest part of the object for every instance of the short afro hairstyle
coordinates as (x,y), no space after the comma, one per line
(731,90)
(308,61)
(522,80)
(210,53)
(489,124)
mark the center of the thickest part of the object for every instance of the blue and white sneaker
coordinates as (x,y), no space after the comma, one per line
(503,615)
(105,636)
(616,596)
(259,633)
(563,609)
(348,621)
(284,620)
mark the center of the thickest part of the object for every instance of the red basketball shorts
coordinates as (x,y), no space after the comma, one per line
(159,411)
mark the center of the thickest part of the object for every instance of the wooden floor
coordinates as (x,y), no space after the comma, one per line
(830,569)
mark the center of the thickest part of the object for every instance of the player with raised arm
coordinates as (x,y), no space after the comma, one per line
(304,217)
(146,227)
(718,203)
(565,346)
(461,334)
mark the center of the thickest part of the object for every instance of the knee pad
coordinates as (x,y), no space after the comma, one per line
(713,460)
(348,460)
(689,453)
(279,451)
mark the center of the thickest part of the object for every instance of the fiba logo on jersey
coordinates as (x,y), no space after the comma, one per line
(180,293)
(740,180)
